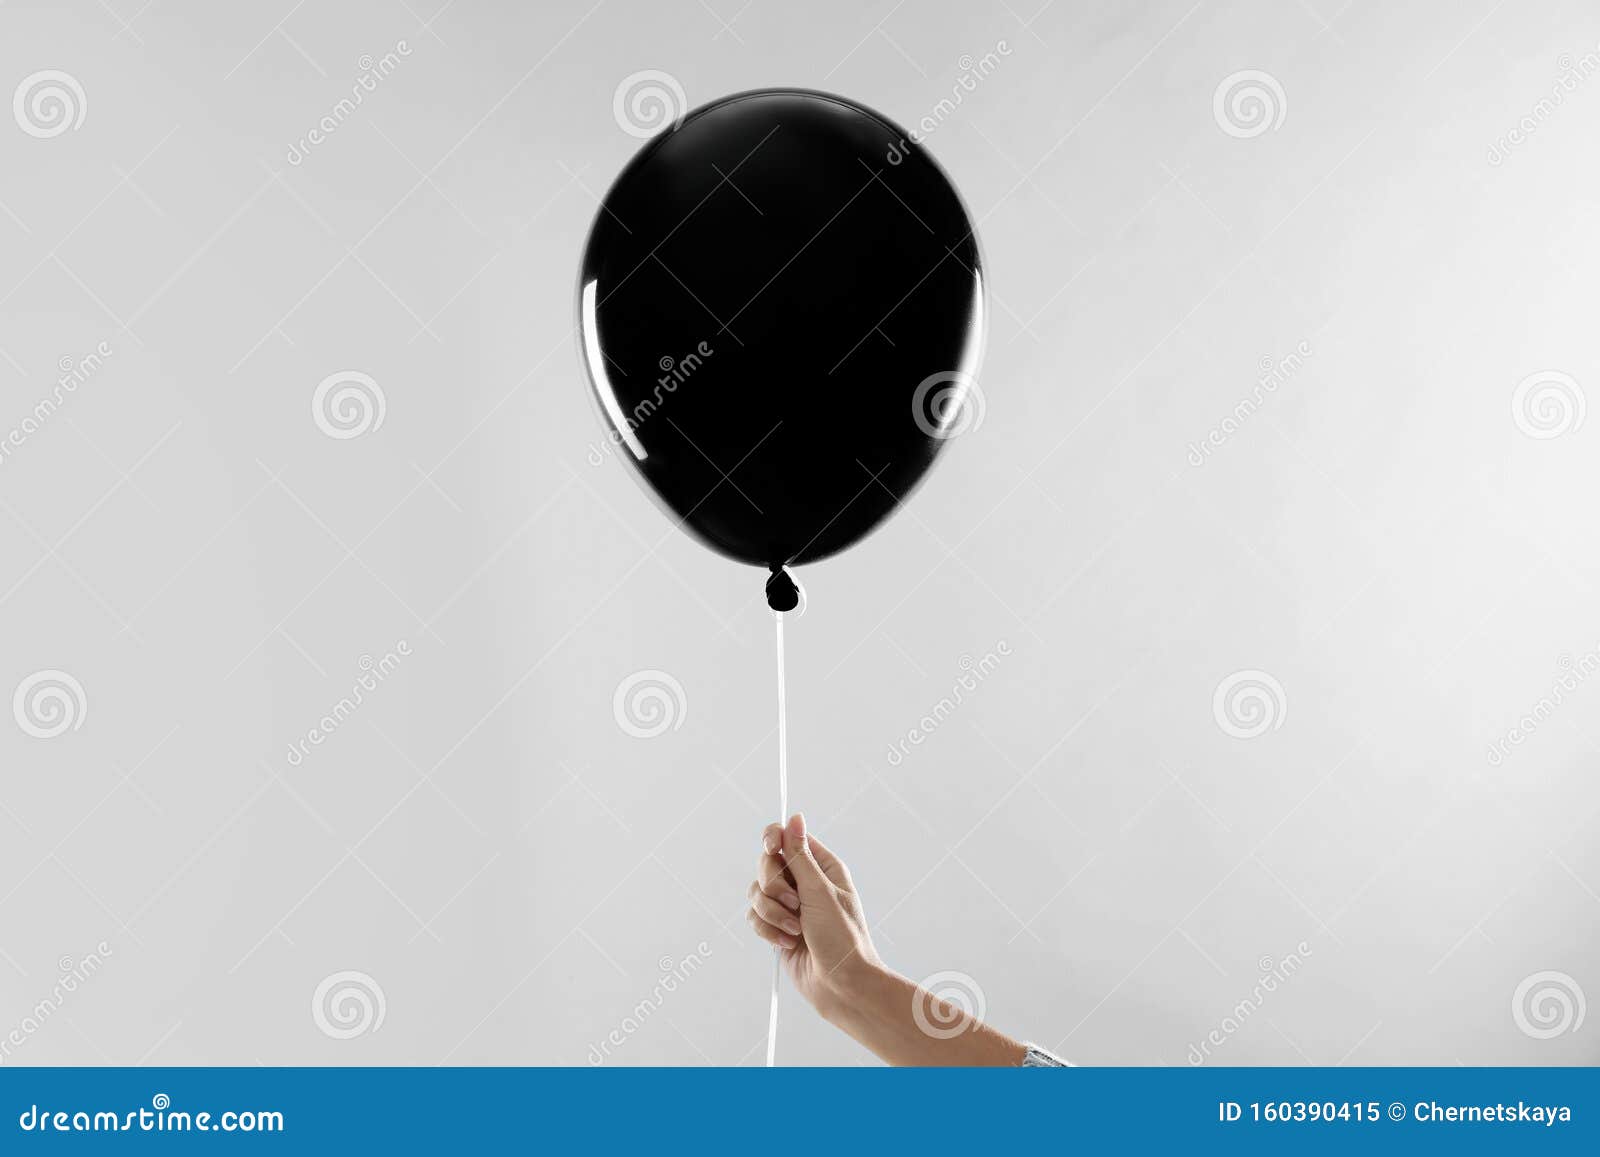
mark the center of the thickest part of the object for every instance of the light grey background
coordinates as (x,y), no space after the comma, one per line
(1082,839)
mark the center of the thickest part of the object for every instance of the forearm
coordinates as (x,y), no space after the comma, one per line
(878,1007)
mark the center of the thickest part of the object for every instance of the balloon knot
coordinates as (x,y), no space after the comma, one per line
(783,593)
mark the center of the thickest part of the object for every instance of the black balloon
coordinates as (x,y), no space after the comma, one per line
(782,307)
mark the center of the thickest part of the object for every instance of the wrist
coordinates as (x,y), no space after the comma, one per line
(885,1012)
(853,993)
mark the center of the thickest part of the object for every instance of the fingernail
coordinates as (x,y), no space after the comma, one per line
(792,927)
(769,844)
(787,941)
(790,901)
(797,826)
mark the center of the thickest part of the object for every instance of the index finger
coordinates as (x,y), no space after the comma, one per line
(773,878)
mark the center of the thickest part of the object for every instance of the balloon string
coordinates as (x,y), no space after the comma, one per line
(783,814)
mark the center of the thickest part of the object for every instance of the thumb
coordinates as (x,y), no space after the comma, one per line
(809,877)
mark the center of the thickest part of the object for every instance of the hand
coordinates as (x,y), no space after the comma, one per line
(803,901)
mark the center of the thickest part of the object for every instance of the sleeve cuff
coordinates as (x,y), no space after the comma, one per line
(1038,1058)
